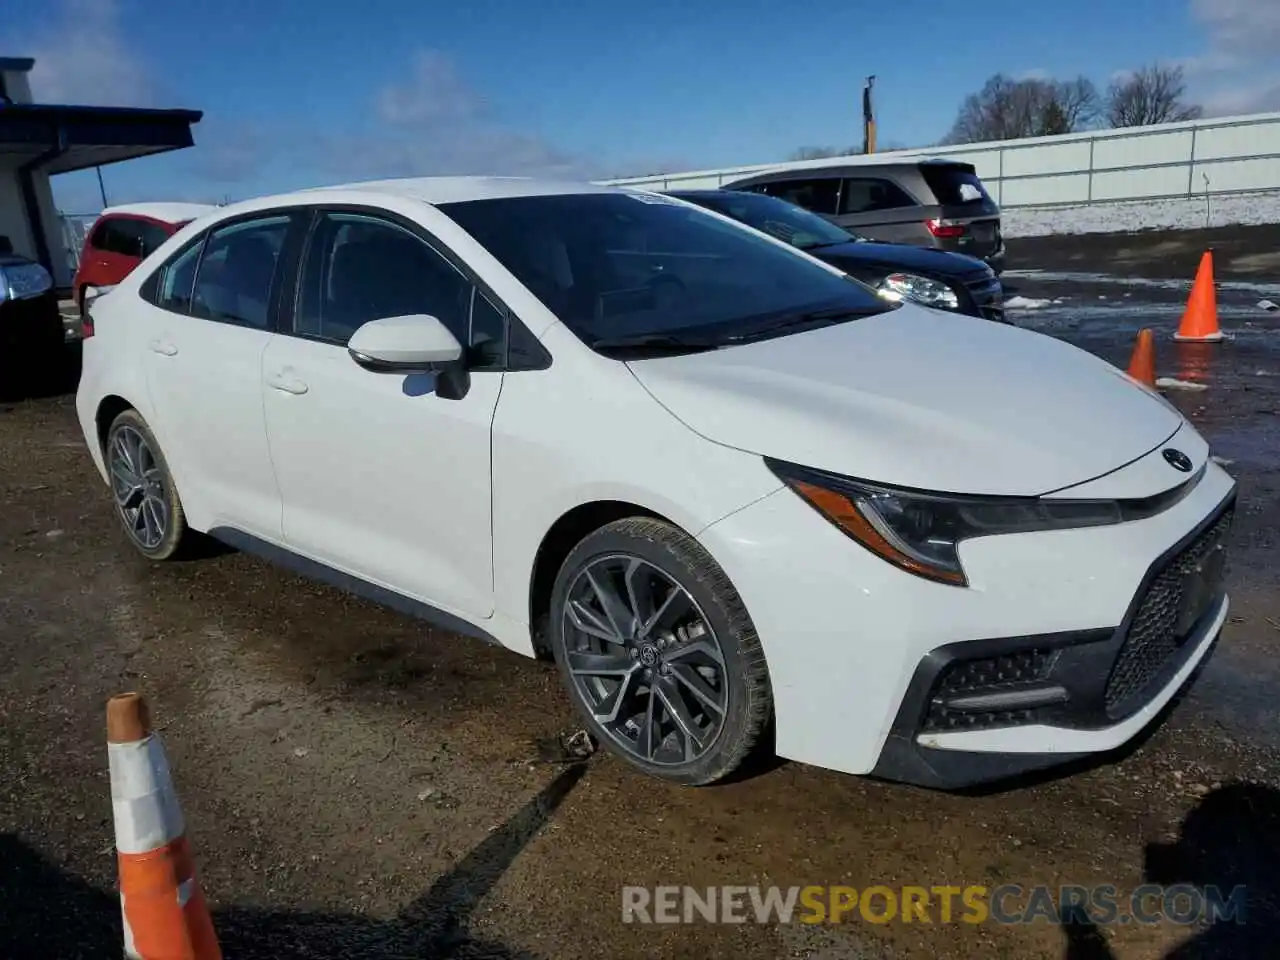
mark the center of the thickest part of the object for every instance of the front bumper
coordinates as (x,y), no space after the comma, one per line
(855,646)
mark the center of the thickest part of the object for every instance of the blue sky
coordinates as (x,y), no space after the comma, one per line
(300,92)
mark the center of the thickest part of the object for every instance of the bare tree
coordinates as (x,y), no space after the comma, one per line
(1008,109)
(1153,94)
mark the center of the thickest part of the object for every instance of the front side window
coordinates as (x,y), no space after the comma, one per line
(620,265)
(360,268)
(233,281)
(153,236)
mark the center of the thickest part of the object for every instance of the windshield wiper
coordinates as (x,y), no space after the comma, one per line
(657,343)
(809,317)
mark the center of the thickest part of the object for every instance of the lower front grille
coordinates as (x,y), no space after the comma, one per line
(988,296)
(980,677)
(1174,601)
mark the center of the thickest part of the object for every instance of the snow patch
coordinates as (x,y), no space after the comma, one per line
(1184,213)
(1026,303)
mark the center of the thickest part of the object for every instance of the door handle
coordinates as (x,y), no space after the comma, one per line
(163,347)
(287,383)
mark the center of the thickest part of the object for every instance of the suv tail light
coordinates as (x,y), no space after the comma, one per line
(944,230)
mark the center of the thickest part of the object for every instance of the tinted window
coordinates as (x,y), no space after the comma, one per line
(618,265)
(819,195)
(120,235)
(955,186)
(233,283)
(786,221)
(153,236)
(177,278)
(866,195)
(360,269)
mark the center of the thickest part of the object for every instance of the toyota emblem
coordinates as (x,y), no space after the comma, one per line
(1178,460)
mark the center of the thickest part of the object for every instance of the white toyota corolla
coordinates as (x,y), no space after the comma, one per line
(733,492)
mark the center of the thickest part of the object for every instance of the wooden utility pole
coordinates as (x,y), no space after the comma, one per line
(868,117)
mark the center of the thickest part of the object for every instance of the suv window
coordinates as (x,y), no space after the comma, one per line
(233,282)
(955,186)
(865,195)
(819,195)
(360,268)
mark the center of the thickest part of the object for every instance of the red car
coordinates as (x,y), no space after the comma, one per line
(123,236)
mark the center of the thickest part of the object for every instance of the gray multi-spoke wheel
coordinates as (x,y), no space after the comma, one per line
(145,496)
(658,652)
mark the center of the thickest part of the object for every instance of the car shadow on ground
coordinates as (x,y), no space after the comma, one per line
(42,380)
(1231,839)
(47,912)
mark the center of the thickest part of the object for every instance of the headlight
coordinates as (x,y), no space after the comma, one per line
(921,532)
(23,280)
(907,286)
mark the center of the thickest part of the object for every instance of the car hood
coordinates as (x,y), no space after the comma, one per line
(899,256)
(919,398)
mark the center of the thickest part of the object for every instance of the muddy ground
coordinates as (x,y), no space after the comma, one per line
(358,784)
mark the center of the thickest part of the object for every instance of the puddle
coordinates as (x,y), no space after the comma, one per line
(1239,690)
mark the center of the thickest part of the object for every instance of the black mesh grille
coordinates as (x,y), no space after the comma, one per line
(1175,599)
(988,295)
(1010,671)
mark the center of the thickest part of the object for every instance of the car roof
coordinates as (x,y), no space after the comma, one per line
(165,211)
(848,167)
(429,190)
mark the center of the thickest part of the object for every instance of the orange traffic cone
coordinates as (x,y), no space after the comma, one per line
(165,915)
(1142,365)
(1200,319)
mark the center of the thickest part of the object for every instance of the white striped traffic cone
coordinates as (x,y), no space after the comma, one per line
(165,915)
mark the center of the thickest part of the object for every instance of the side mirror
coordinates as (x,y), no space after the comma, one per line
(411,344)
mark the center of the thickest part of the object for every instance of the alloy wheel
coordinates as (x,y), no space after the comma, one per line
(138,482)
(645,660)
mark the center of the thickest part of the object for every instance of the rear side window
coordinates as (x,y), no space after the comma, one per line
(819,195)
(120,235)
(955,186)
(867,195)
(233,281)
(177,278)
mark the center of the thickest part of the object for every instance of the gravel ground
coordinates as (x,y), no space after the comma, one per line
(358,784)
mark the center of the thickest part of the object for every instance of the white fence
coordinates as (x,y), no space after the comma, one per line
(1219,156)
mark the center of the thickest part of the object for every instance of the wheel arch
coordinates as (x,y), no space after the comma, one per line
(563,535)
(109,407)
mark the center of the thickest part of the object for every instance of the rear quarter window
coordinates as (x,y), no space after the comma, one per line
(956,186)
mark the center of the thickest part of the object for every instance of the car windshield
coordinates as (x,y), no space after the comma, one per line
(627,270)
(778,218)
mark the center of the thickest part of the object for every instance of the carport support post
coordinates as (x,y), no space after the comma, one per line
(32,203)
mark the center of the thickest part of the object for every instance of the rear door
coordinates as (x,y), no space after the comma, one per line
(879,208)
(214,317)
(969,220)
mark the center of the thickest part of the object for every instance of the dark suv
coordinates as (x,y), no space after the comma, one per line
(926,203)
(896,271)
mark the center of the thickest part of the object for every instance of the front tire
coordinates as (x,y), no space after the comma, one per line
(145,495)
(658,653)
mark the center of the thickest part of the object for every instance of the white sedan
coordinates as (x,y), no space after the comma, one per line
(741,500)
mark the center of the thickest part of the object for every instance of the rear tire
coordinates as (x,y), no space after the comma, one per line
(658,653)
(145,494)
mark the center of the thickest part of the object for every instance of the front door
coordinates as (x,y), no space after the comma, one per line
(380,477)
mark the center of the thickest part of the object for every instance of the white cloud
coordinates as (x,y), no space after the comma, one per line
(1035,73)
(82,57)
(1243,29)
(1260,97)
